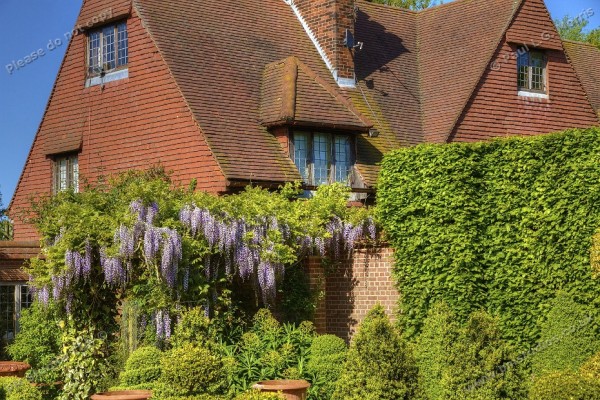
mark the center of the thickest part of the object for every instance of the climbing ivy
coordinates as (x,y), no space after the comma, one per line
(500,226)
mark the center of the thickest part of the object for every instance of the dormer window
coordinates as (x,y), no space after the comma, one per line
(532,73)
(108,53)
(323,158)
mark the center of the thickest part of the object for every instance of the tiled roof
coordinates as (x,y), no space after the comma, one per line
(456,42)
(12,257)
(586,61)
(293,94)
(217,51)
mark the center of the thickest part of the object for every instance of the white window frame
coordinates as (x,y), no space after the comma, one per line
(71,173)
(527,91)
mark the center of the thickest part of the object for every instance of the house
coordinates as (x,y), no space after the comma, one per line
(232,92)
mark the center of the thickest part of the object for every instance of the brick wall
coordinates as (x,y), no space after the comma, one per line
(351,288)
(328,20)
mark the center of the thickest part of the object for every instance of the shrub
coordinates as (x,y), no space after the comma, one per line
(457,362)
(38,343)
(142,367)
(591,368)
(18,389)
(269,350)
(192,370)
(83,363)
(256,395)
(327,358)
(568,337)
(500,225)
(379,364)
(193,328)
(564,386)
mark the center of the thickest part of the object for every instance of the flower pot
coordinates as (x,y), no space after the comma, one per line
(13,368)
(123,395)
(290,389)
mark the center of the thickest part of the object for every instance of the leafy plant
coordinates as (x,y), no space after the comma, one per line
(38,343)
(325,365)
(466,362)
(591,368)
(83,363)
(141,367)
(18,389)
(564,386)
(256,395)
(568,337)
(192,370)
(269,350)
(499,226)
(380,364)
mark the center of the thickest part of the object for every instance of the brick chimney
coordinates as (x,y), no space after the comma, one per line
(326,22)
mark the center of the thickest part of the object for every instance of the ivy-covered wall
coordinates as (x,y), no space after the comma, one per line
(501,225)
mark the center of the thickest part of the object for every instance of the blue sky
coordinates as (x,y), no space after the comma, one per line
(27,26)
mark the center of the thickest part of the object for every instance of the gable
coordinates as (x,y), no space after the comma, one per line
(456,42)
(495,109)
(132,123)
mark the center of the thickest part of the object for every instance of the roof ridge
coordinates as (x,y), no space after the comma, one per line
(580,43)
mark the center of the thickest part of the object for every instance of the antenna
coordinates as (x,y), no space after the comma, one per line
(350,42)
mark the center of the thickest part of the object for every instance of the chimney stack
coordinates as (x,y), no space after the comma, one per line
(326,22)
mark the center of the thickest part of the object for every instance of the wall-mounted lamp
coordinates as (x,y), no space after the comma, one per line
(373,132)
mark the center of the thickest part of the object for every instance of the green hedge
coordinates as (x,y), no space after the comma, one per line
(501,225)
(565,386)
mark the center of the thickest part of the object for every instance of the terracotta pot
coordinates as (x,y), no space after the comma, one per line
(290,389)
(13,368)
(123,395)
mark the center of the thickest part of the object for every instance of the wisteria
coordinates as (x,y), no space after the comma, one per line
(162,321)
(244,247)
(247,247)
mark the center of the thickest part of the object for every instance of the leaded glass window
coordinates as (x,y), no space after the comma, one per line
(532,71)
(323,158)
(66,173)
(108,49)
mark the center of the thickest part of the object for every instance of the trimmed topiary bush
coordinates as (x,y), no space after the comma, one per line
(18,389)
(193,328)
(141,367)
(471,361)
(591,368)
(379,365)
(568,337)
(192,370)
(327,358)
(564,386)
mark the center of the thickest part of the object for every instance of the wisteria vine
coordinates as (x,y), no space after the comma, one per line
(246,247)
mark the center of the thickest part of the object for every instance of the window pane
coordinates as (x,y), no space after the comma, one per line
(62,174)
(537,71)
(321,158)
(94,47)
(343,159)
(108,47)
(7,312)
(26,297)
(74,173)
(301,155)
(523,70)
(122,44)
